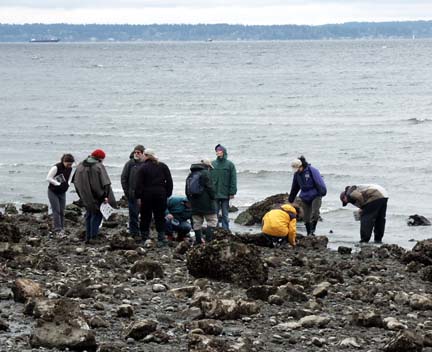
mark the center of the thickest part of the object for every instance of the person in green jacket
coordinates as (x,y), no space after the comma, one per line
(224,176)
(201,195)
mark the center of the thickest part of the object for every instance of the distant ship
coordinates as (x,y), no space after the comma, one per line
(50,40)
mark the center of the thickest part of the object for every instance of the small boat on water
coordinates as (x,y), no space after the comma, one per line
(46,40)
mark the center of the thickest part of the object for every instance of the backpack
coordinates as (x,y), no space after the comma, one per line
(194,188)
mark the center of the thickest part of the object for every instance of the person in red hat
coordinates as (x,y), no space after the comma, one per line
(93,186)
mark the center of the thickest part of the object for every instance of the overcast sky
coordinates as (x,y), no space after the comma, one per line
(212,11)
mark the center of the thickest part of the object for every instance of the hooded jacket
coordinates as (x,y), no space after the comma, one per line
(361,195)
(205,202)
(129,177)
(224,176)
(93,184)
(176,207)
(281,223)
(311,184)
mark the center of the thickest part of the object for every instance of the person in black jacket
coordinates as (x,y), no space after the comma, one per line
(154,186)
(59,178)
(128,182)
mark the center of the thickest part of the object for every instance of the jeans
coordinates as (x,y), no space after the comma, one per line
(223,204)
(93,221)
(133,216)
(58,204)
(182,229)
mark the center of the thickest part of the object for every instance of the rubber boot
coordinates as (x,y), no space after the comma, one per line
(198,239)
(209,234)
(308,228)
(162,241)
(313,227)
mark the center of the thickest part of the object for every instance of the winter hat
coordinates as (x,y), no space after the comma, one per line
(140,148)
(98,154)
(151,153)
(296,164)
(343,198)
(207,162)
(219,148)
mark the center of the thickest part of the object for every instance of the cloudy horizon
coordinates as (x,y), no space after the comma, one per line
(258,12)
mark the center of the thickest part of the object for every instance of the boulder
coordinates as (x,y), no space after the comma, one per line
(125,311)
(228,261)
(291,293)
(208,326)
(418,220)
(312,242)
(9,208)
(149,268)
(420,302)
(405,341)
(344,250)
(122,240)
(368,319)
(9,233)
(34,208)
(421,253)
(140,329)
(24,289)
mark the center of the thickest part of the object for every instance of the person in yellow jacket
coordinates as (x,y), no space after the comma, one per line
(280,225)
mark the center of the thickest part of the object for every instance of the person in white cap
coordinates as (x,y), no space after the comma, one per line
(309,180)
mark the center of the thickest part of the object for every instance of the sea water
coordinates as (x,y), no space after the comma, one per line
(360,111)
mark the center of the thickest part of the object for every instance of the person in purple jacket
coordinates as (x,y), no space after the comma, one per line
(309,180)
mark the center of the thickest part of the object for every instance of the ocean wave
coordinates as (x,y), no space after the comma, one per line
(262,172)
(418,121)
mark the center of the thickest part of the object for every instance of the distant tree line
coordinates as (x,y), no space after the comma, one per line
(200,32)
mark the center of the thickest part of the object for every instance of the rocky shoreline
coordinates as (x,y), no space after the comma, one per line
(229,295)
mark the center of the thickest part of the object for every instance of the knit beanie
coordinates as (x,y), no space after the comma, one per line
(98,154)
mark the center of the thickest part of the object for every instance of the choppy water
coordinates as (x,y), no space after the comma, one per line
(360,111)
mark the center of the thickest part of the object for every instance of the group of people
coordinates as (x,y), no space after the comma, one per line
(148,187)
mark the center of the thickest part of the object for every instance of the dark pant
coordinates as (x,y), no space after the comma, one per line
(133,216)
(223,204)
(153,204)
(58,204)
(93,221)
(182,229)
(373,217)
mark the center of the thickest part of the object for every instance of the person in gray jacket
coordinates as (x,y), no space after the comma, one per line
(372,201)
(93,186)
(128,182)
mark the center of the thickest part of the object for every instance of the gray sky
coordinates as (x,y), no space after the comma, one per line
(212,11)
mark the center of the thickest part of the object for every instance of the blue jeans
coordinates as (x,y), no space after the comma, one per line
(182,229)
(93,221)
(133,216)
(223,204)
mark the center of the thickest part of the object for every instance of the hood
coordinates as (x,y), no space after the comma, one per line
(289,208)
(197,167)
(225,156)
(90,161)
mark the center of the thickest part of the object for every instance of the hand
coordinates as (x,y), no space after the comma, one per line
(105,200)
(170,217)
(231,196)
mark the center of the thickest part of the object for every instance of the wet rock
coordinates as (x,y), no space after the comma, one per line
(254,214)
(80,290)
(159,288)
(140,329)
(184,292)
(4,326)
(122,241)
(150,269)
(344,250)
(418,220)
(393,324)
(321,290)
(312,242)
(291,293)
(34,208)
(420,302)
(288,326)
(421,252)
(426,273)
(5,293)
(24,289)
(314,321)
(261,292)
(10,251)
(97,322)
(125,311)
(112,346)
(228,309)
(208,326)
(182,247)
(349,342)
(10,208)
(405,341)
(276,300)
(368,319)
(228,261)
(9,233)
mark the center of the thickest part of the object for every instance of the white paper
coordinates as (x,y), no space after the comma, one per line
(106,210)
(60,178)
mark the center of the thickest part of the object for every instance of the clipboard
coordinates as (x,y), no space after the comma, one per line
(106,210)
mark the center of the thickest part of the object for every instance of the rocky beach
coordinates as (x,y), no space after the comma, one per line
(228,295)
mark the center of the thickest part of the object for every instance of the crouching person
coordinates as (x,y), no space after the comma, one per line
(280,225)
(201,194)
(177,217)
